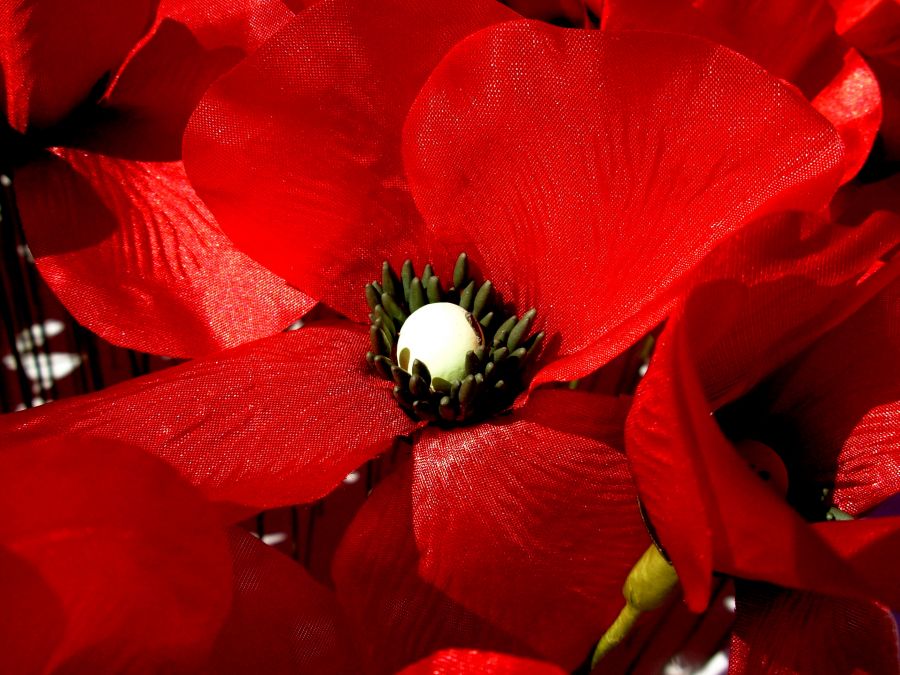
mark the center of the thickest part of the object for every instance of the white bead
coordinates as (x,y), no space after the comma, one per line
(439,335)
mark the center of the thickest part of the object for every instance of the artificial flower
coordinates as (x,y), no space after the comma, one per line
(113,563)
(92,136)
(585,174)
(819,429)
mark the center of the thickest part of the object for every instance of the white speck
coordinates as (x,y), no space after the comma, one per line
(352,477)
(273,538)
(729,603)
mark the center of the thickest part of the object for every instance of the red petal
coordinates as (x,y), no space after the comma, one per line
(839,406)
(785,632)
(48,66)
(460,662)
(134,255)
(118,565)
(586,172)
(276,422)
(281,621)
(710,510)
(397,616)
(297,151)
(532,518)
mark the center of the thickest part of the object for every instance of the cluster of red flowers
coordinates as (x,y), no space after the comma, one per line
(717,174)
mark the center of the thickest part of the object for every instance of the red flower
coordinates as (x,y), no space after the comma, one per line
(822,427)
(113,563)
(585,173)
(459,662)
(95,109)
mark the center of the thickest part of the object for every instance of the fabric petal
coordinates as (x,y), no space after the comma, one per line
(396,615)
(297,151)
(47,68)
(460,662)
(135,255)
(786,632)
(281,621)
(532,519)
(275,422)
(587,172)
(111,562)
(711,511)
(837,407)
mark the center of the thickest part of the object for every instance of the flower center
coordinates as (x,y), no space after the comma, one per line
(452,354)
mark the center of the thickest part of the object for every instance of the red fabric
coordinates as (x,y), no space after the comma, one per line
(110,562)
(637,164)
(302,165)
(795,40)
(275,422)
(281,621)
(785,632)
(120,236)
(532,517)
(47,68)
(463,662)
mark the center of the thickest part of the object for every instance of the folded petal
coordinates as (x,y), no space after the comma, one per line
(281,620)
(532,519)
(586,172)
(275,422)
(785,632)
(135,255)
(48,68)
(460,662)
(397,616)
(111,562)
(837,407)
(297,151)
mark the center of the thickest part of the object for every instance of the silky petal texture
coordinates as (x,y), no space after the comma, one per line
(136,256)
(837,407)
(396,615)
(118,232)
(276,422)
(794,40)
(47,68)
(711,511)
(463,662)
(532,520)
(587,172)
(297,151)
(786,632)
(281,620)
(766,294)
(125,567)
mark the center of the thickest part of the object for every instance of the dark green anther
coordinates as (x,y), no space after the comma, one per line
(516,357)
(486,319)
(467,391)
(427,273)
(403,397)
(454,390)
(418,387)
(389,281)
(386,320)
(417,298)
(378,340)
(500,385)
(425,411)
(400,377)
(482,298)
(393,308)
(406,275)
(503,332)
(534,342)
(499,354)
(461,271)
(421,370)
(520,332)
(467,295)
(446,409)
(834,513)
(489,370)
(479,354)
(383,366)
(370,358)
(473,363)
(373,297)
(435,294)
